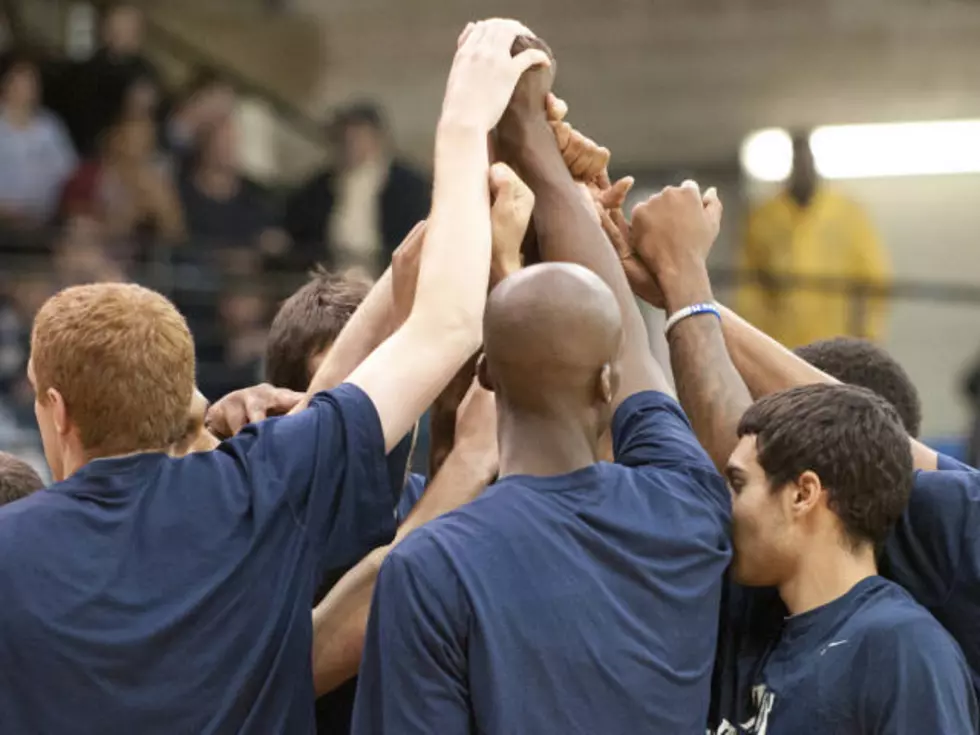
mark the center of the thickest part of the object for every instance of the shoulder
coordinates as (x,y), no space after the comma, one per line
(891,621)
(949,497)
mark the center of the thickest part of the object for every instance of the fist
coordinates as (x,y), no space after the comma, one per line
(676,226)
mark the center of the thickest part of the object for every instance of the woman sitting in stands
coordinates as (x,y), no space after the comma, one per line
(127,188)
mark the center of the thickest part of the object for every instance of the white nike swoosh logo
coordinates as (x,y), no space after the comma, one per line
(834,644)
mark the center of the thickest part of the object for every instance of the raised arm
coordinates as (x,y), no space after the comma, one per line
(768,367)
(566,224)
(406,373)
(672,233)
(340,620)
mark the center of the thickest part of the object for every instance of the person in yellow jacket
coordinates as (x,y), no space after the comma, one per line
(809,231)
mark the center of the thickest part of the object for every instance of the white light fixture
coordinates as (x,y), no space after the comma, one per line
(767,155)
(870,151)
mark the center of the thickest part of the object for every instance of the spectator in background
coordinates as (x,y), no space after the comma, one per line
(100,92)
(810,231)
(20,299)
(36,155)
(224,210)
(355,214)
(207,100)
(128,188)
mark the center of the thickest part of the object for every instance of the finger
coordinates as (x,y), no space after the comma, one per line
(714,209)
(563,134)
(691,185)
(501,32)
(600,160)
(614,197)
(254,410)
(602,180)
(465,34)
(556,107)
(529,58)
(502,178)
(615,235)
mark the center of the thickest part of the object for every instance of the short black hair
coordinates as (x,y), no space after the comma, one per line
(307,322)
(851,438)
(862,362)
(17,479)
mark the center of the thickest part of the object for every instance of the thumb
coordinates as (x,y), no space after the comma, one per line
(502,178)
(528,58)
(557,108)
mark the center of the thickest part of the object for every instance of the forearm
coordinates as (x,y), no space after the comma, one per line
(367,328)
(568,231)
(768,367)
(455,267)
(340,620)
(709,388)
(463,476)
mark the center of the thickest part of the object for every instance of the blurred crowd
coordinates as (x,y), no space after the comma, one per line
(110,175)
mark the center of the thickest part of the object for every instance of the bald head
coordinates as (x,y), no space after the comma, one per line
(552,334)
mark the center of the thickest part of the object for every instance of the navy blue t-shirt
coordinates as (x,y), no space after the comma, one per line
(150,595)
(584,603)
(871,662)
(934,553)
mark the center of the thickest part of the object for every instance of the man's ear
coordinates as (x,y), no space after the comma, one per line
(805,494)
(606,384)
(59,412)
(483,373)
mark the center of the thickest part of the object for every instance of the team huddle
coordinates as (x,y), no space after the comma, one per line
(772,552)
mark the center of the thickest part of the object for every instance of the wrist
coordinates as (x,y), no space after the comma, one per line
(684,282)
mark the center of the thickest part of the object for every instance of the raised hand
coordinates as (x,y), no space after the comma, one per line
(672,234)
(513,203)
(484,74)
(677,225)
(236,410)
(405,263)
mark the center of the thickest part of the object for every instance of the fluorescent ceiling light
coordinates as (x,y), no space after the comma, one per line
(869,151)
(767,155)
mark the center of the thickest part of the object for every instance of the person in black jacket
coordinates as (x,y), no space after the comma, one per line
(354,215)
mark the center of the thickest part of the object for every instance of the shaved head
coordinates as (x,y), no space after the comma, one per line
(552,336)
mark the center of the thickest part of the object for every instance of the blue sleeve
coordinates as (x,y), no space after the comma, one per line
(411,494)
(327,463)
(399,461)
(945,463)
(413,675)
(913,680)
(651,430)
(937,537)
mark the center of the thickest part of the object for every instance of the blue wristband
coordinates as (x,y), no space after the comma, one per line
(692,310)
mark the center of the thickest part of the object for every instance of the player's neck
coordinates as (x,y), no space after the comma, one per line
(544,447)
(826,574)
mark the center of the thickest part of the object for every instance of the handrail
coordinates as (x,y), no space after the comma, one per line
(192,54)
(893,289)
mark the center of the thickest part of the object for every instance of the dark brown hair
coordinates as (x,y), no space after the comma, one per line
(308,322)
(851,438)
(17,479)
(861,362)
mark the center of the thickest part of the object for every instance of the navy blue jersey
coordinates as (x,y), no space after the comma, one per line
(147,594)
(934,553)
(871,662)
(583,603)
